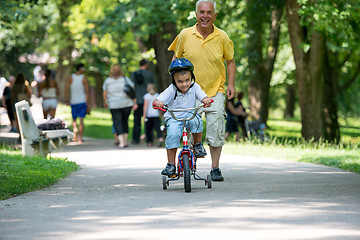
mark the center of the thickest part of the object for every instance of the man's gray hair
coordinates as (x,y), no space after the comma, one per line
(208,1)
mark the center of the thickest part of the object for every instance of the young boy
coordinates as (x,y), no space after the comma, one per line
(181,94)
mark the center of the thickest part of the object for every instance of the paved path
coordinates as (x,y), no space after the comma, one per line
(118,194)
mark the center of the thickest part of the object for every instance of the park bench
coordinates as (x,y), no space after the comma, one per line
(35,141)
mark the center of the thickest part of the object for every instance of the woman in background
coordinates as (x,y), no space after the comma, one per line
(49,91)
(20,90)
(119,103)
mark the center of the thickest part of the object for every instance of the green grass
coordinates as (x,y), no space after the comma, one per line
(347,158)
(286,143)
(20,174)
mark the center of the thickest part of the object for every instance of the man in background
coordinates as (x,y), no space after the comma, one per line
(141,79)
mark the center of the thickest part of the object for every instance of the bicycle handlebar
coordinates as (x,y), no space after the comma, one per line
(171,111)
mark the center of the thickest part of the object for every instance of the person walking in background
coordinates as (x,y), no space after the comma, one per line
(20,91)
(6,102)
(119,103)
(207,47)
(77,95)
(141,79)
(49,91)
(151,116)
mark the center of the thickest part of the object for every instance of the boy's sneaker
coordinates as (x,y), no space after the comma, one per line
(169,170)
(216,175)
(199,150)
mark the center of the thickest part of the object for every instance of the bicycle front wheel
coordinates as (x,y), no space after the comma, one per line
(187,181)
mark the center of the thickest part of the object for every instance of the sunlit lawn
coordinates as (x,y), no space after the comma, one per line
(20,174)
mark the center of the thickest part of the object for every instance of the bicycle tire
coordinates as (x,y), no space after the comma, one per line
(187,180)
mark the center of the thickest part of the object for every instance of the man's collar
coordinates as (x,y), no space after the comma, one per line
(211,35)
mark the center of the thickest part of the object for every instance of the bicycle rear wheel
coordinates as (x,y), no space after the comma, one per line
(187,180)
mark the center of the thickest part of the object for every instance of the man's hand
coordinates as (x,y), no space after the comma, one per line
(231,92)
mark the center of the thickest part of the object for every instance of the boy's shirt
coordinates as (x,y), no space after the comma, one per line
(182,101)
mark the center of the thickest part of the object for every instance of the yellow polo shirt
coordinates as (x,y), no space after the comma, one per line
(207,56)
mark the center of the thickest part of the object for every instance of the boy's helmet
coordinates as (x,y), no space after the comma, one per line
(180,64)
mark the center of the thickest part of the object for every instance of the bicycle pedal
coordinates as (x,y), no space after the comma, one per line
(172,176)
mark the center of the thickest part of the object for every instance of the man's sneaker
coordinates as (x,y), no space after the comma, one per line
(216,175)
(170,169)
(199,150)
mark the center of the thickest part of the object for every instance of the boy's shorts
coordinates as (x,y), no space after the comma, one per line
(215,121)
(174,130)
(78,110)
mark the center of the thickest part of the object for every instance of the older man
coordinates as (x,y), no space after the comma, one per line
(207,47)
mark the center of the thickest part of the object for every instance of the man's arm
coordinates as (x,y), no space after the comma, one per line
(231,72)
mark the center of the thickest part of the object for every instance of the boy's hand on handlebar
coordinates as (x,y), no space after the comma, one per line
(207,101)
(158,104)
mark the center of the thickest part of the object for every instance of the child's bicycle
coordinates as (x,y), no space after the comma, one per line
(186,165)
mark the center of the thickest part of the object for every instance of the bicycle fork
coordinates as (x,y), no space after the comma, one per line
(185,150)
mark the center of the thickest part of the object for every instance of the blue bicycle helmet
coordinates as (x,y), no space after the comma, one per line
(180,64)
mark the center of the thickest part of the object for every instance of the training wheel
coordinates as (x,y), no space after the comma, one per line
(208,181)
(164,182)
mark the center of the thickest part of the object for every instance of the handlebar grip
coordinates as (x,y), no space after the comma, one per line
(162,109)
(212,100)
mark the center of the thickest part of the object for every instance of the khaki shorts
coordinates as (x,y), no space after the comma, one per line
(215,121)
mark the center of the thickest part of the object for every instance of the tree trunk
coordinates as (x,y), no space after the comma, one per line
(330,120)
(255,22)
(272,49)
(98,99)
(290,101)
(161,41)
(261,67)
(63,70)
(309,68)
